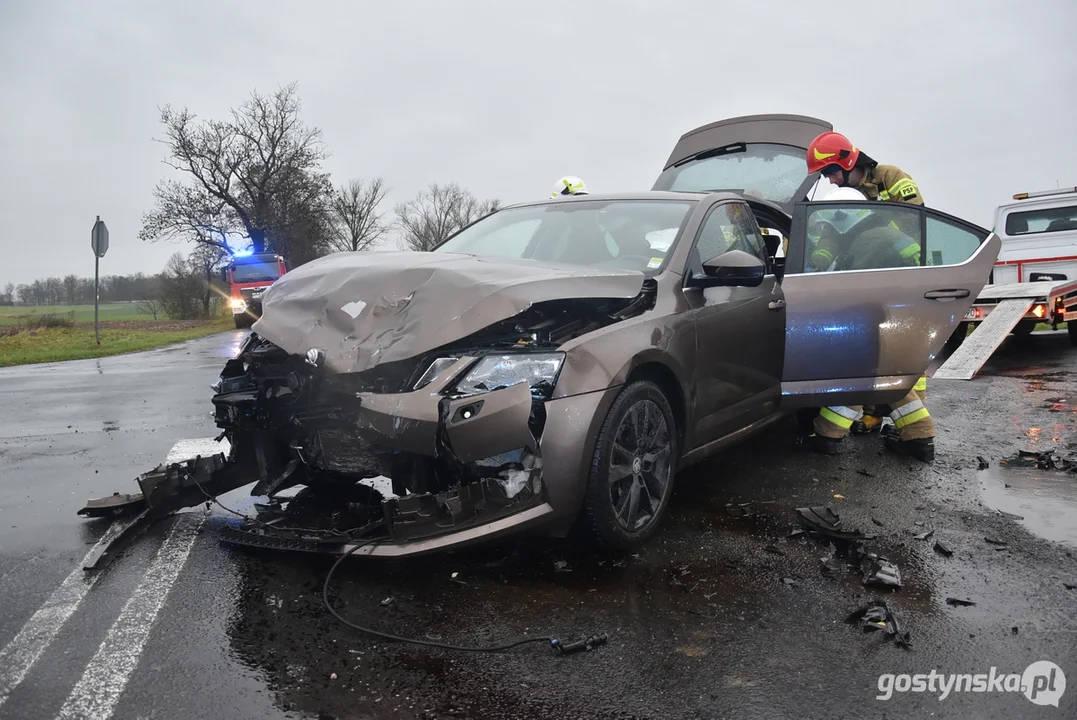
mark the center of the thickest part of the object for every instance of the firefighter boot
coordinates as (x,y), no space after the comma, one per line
(824,445)
(867,424)
(920,448)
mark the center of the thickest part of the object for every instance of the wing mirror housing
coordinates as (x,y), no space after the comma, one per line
(735,268)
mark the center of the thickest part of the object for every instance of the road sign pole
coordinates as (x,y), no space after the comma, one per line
(96,297)
(99,243)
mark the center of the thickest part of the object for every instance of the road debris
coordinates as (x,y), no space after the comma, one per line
(865,473)
(388,601)
(958,602)
(878,522)
(880,571)
(739,510)
(824,521)
(983,463)
(561,566)
(1069,586)
(924,535)
(995,541)
(877,615)
(1011,516)
(773,550)
(943,549)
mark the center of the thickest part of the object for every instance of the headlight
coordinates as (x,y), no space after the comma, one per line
(238,304)
(435,369)
(538,370)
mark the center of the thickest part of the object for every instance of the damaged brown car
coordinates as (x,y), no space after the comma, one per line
(554,364)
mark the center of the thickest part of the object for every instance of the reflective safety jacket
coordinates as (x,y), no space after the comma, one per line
(887,182)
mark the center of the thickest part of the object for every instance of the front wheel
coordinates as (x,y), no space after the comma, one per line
(632,470)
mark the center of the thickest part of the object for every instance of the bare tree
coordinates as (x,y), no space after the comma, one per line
(240,172)
(204,262)
(71,283)
(438,212)
(150,306)
(353,211)
(180,289)
(9,293)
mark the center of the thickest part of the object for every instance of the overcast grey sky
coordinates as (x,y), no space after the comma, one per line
(975,98)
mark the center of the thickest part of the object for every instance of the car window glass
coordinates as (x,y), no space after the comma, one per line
(614,234)
(1040,221)
(769,171)
(949,244)
(506,241)
(729,227)
(861,236)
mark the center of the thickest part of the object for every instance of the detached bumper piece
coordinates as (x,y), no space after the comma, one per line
(165,489)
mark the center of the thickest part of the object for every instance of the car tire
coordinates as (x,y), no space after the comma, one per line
(243,321)
(627,464)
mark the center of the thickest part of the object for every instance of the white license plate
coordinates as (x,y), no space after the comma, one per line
(971,314)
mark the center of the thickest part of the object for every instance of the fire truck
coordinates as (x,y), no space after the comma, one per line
(247,277)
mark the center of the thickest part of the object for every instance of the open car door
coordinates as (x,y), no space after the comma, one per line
(760,156)
(872,291)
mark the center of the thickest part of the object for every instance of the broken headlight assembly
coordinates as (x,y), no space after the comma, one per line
(538,370)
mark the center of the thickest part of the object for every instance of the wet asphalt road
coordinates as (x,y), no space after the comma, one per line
(719,616)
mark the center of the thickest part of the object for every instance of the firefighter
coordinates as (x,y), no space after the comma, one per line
(832,155)
(873,247)
(569,185)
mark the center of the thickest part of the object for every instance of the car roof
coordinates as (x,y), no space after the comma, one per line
(673,195)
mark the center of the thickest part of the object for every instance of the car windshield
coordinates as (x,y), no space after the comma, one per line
(616,234)
(255,271)
(772,172)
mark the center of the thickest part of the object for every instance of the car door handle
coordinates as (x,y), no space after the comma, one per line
(946,294)
(776,305)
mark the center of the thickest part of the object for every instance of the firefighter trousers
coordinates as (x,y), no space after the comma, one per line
(910,416)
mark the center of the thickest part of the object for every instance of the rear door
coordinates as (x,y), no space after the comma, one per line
(865,313)
(757,155)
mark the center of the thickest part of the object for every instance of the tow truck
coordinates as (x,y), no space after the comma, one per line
(1033,281)
(247,277)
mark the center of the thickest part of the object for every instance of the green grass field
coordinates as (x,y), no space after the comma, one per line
(17,315)
(76,343)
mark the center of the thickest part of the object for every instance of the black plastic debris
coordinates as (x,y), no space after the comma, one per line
(796,533)
(865,473)
(877,616)
(1048,461)
(924,535)
(983,463)
(739,510)
(880,571)
(774,550)
(824,521)
(878,522)
(958,602)
(1069,586)
(943,549)
(1014,630)
(833,565)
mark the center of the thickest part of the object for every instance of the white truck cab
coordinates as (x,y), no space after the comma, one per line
(1039,237)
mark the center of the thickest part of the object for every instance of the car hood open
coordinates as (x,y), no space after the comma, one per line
(366,308)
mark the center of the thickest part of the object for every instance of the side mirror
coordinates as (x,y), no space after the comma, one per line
(735,268)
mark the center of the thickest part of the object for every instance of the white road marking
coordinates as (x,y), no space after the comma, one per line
(23,651)
(97,692)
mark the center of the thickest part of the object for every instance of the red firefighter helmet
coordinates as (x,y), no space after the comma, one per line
(831,148)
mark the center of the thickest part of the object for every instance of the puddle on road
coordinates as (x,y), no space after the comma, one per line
(1045,499)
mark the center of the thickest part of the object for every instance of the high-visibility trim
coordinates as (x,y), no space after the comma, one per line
(824,253)
(903,187)
(909,414)
(921,384)
(839,415)
(912,250)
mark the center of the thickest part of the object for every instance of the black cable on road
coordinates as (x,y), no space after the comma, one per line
(413,641)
